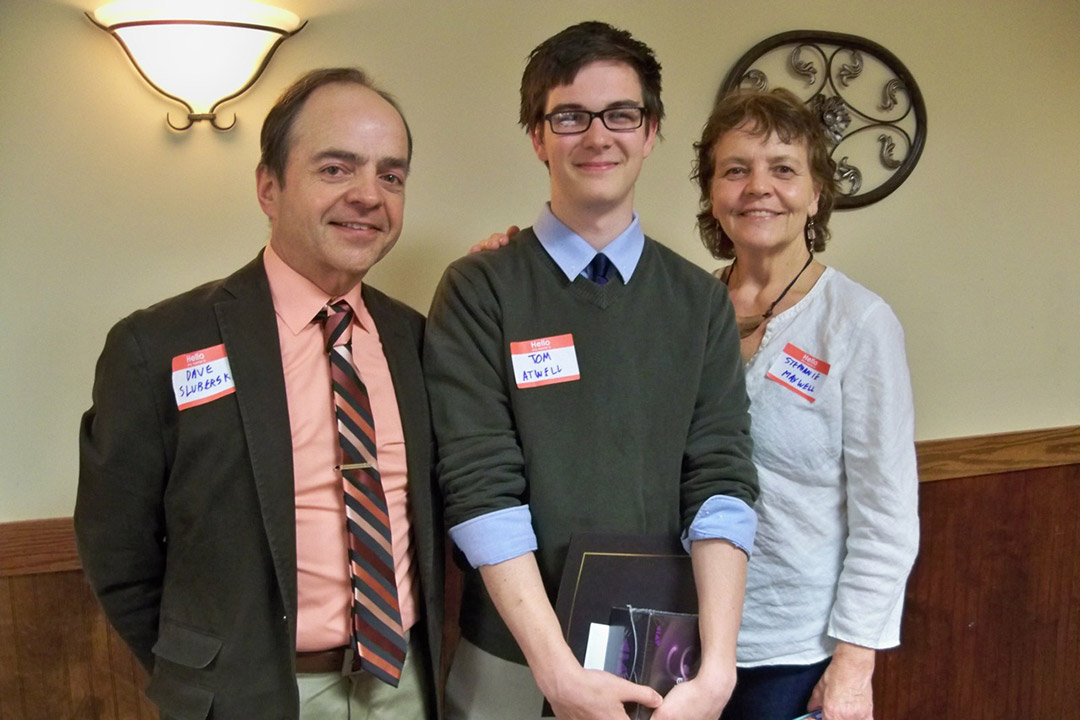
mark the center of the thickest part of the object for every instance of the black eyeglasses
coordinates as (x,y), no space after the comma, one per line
(616,119)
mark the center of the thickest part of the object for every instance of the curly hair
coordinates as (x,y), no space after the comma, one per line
(762,113)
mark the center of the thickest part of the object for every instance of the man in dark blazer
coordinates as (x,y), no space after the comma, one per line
(189,516)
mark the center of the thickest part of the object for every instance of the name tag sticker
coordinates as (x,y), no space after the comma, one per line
(544,361)
(201,376)
(799,371)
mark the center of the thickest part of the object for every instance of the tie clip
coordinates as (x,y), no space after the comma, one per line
(353,466)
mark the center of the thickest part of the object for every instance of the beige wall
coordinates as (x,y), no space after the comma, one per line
(103,210)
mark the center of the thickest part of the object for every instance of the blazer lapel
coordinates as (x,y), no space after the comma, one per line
(249,329)
(403,357)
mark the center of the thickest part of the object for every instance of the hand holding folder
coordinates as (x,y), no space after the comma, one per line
(608,571)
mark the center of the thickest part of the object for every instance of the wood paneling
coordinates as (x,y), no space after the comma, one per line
(991,625)
(37,546)
(59,658)
(992,621)
(993,454)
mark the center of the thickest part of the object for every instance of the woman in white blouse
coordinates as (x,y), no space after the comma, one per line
(832,419)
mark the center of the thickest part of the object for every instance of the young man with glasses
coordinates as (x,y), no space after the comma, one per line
(585,378)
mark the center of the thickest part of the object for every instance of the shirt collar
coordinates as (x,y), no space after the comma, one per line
(297,300)
(571,253)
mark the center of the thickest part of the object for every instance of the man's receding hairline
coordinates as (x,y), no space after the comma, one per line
(298,119)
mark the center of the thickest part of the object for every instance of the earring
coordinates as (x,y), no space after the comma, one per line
(811,233)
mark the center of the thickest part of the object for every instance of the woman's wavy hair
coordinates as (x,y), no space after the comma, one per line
(763,113)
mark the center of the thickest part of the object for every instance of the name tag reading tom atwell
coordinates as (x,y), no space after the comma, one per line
(201,376)
(544,361)
(799,371)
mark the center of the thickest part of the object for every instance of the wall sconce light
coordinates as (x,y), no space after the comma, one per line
(199,53)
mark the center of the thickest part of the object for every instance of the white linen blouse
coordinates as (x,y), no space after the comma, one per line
(838,525)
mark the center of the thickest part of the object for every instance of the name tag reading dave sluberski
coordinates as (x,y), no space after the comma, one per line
(201,376)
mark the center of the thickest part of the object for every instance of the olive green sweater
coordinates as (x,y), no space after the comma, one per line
(656,423)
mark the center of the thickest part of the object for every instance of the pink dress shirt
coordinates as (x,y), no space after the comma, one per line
(322,580)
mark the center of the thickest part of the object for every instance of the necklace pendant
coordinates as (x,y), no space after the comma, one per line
(747,326)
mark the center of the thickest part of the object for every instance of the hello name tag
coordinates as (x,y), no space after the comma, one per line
(544,361)
(800,372)
(201,376)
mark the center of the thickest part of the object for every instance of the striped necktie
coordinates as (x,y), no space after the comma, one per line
(377,637)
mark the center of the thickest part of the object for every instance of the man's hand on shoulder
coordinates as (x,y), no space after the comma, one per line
(494,241)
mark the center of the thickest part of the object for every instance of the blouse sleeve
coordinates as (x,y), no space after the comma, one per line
(881,483)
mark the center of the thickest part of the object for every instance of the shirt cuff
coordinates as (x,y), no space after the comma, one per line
(496,537)
(722,517)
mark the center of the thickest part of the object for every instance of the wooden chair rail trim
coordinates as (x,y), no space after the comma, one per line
(42,546)
(999,453)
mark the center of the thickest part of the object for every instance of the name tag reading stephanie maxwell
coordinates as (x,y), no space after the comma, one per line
(201,376)
(799,371)
(544,361)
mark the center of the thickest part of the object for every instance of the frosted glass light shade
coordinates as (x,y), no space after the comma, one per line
(197,52)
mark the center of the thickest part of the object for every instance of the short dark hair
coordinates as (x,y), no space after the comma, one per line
(557,61)
(276,139)
(762,114)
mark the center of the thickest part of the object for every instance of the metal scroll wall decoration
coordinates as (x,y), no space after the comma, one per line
(873,113)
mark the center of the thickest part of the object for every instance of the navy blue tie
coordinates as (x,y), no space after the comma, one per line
(599,269)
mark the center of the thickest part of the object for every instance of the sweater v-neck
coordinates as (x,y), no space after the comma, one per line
(602,296)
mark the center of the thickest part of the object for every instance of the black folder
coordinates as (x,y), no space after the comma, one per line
(605,571)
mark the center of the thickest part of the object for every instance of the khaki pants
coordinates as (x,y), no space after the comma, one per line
(333,696)
(482,686)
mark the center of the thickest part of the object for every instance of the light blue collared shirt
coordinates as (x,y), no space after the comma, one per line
(504,534)
(571,253)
